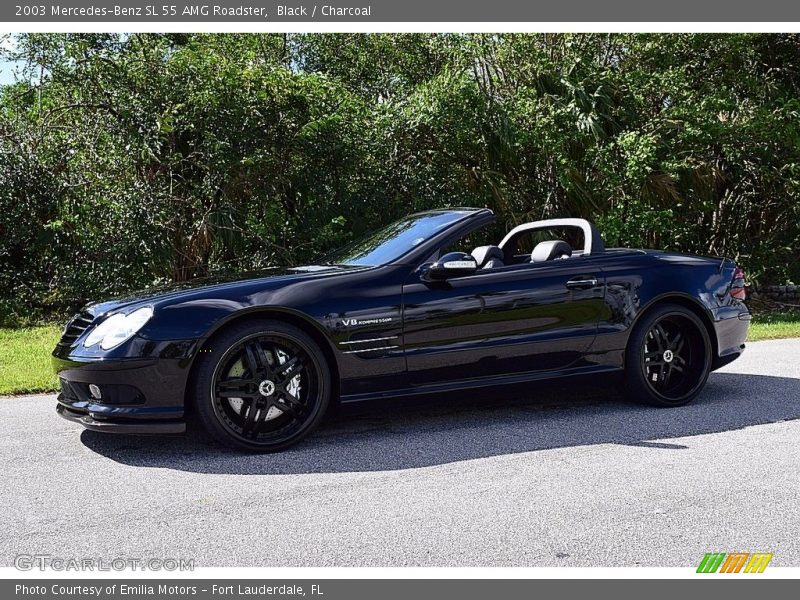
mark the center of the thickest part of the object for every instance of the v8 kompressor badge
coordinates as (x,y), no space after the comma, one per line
(354,322)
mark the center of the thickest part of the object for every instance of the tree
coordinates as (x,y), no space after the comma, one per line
(128,160)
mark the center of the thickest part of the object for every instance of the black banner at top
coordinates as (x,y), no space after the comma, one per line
(467,11)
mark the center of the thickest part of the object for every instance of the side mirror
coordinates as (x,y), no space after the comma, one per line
(453,264)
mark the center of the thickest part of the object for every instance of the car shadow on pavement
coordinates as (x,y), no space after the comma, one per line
(409,434)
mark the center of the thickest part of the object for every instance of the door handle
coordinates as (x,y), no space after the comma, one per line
(582,283)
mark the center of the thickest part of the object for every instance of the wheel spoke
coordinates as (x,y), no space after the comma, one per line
(263,359)
(661,337)
(243,394)
(250,416)
(235,388)
(677,339)
(259,420)
(667,373)
(286,409)
(251,360)
(256,359)
(291,368)
(291,404)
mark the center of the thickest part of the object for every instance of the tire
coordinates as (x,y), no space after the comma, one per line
(668,357)
(261,386)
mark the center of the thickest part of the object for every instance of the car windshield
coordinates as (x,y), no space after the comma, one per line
(393,241)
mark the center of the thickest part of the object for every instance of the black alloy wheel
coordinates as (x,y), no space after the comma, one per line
(266,388)
(669,357)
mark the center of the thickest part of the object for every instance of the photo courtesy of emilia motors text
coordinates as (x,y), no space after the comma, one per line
(372,299)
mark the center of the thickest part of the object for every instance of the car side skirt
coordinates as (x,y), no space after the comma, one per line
(480,383)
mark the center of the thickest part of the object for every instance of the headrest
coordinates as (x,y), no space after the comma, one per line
(549,250)
(483,254)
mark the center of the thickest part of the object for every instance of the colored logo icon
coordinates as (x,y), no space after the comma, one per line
(736,562)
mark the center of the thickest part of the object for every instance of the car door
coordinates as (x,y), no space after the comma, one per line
(513,320)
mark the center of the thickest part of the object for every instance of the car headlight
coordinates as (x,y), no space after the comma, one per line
(117,328)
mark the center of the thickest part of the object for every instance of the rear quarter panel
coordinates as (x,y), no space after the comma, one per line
(637,280)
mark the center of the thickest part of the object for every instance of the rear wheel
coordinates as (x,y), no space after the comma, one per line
(668,357)
(261,386)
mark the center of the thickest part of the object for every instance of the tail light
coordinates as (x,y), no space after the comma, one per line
(738,285)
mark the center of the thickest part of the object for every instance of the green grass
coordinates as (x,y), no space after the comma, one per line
(25,359)
(25,352)
(773,326)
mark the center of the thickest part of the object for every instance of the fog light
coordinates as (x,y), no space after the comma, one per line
(95,391)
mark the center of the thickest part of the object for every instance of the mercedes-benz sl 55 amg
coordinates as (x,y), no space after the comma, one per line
(410,309)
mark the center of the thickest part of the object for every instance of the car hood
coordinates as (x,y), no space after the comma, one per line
(202,286)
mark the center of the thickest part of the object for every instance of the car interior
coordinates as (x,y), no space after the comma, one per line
(532,246)
(537,246)
(493,257)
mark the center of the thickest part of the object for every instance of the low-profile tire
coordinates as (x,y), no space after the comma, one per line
(261,385)
(668,357)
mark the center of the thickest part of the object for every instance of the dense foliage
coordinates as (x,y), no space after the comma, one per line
(126,160)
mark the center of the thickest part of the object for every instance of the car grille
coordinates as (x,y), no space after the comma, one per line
(76,326)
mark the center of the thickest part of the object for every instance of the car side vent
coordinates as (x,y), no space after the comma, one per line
(370,344)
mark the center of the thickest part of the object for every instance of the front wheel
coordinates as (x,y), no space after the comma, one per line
(668,358)
(261,386)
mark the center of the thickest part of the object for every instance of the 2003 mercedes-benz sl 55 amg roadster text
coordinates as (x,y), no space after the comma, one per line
(403,311)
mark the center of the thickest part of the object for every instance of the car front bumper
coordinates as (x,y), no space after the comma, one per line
(137,395)
(90,421)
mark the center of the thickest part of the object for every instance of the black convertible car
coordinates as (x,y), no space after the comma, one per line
(410,309)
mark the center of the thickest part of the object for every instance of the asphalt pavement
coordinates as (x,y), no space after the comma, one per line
(568,474)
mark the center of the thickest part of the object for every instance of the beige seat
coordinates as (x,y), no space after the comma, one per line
(551,250)
(488,257)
